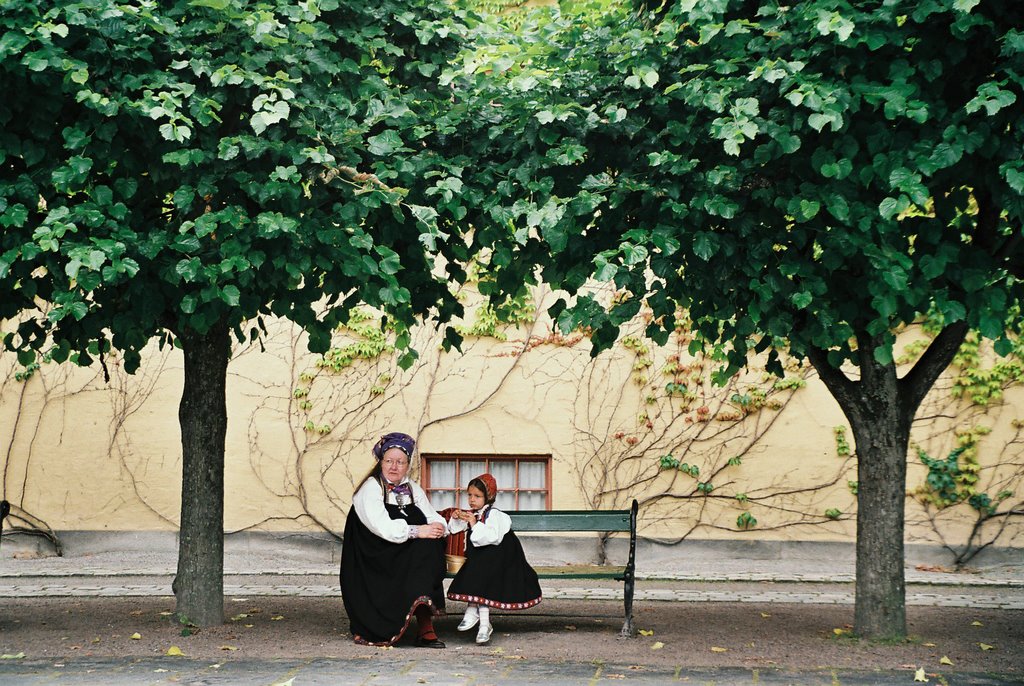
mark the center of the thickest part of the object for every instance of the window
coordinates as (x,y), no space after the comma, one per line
(523,481)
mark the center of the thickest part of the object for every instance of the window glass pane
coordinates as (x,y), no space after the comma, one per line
(471,469)
(532,501)
(506,500)
(504,472)
(532,475)
(442,474)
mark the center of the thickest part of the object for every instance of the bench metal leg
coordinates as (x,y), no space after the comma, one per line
(629,578)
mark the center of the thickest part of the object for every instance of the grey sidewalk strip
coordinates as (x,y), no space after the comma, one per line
(912,577)
(1002,602)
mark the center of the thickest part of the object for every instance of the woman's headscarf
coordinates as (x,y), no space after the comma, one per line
(395,439)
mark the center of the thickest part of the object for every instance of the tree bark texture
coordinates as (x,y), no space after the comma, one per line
(199,584)
(880,408)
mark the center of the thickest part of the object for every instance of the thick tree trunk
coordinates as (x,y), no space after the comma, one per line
(881,409)
(882,439)
(199,584)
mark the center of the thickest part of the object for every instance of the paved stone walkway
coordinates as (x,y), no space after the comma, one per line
(128,573)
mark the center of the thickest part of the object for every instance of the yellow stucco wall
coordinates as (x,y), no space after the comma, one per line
(81,454)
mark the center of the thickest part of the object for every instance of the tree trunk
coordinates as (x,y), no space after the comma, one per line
(199,584)
(880,604)
(880,408)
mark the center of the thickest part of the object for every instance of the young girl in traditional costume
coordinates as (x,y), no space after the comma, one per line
(496,573)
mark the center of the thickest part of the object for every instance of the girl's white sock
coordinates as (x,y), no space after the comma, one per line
(485,615)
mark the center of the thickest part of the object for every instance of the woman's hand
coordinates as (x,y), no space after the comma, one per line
(432,530)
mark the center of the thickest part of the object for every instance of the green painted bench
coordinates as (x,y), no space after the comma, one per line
(524,521)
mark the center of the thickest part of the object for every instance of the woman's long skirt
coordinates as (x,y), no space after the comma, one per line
(382,583)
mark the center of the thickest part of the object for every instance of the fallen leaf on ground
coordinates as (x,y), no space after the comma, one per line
(238,617)
(929,645)
(986,646)
(766,615)
(570,627)
(160,670)
(976,623)
(166,614)
(919,675)
(646,632)
(136,613)
(945,661)
(12,656)
(657,645)
(136,636)
(839,632)
(276,618)
(716,649)
(614,676)
(174,650)
(228,648)
(285,683)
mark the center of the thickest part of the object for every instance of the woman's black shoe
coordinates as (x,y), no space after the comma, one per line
(430,643)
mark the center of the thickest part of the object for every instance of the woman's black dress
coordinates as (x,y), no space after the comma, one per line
(496,576)
(382,583)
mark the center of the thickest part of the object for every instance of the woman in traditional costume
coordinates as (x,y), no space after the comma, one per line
(496,572)
(392,557)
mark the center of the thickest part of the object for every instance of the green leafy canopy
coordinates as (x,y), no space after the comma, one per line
(798,176)
(165,166)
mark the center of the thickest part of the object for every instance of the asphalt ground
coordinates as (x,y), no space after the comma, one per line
(766,614)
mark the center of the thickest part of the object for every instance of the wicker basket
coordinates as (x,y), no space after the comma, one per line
(454,562)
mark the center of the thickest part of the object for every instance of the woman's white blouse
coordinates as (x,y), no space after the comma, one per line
(490,532)
(369,505)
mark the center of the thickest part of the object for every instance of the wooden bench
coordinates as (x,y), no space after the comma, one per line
(524,521)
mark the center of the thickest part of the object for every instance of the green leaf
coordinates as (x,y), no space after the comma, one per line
(230,295)
(883,355)
(809,208)
(818,121)
(545,116)
(705,246)
(888,208)
(384,143)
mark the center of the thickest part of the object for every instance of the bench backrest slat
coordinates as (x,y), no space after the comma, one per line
(569,520)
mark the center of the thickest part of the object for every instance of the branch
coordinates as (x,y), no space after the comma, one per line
(918,381)
(838,383)
(353,176)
